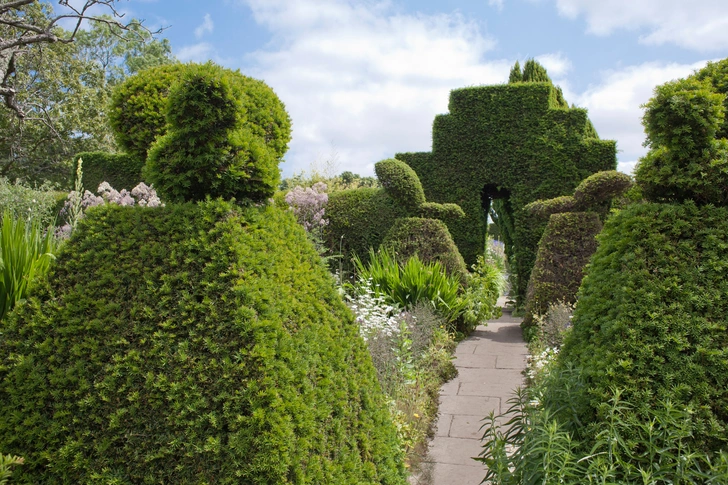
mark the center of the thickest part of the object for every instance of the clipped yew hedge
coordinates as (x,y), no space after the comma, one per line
(190,344)
(429,239)
(651,318)
(563,252)
(520,138)
(120,170)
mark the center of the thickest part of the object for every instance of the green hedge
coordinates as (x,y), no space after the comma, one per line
(195,343)
(359,219)
(518,138)
(651,317)
(401,183)
(568,242)
(427,238)
(120,170)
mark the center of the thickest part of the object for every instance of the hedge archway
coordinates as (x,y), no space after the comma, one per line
(520,139)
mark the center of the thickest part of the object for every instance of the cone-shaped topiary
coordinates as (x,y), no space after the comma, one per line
(190,344)
(516,75)
(225,136)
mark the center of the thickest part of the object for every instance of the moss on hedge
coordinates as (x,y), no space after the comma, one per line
(651,317)
(519,138)
(429,239)
(120,170)
(195,343)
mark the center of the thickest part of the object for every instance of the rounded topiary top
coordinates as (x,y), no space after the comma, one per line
(225,136)
(401,183)
(137,113)
(686,161)
(600,188)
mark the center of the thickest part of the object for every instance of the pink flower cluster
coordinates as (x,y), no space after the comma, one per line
(309,205)
(142,195)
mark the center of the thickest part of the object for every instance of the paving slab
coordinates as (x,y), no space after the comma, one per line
(490,367)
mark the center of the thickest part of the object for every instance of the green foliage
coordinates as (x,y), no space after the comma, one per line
(536,447)
(225,136)
(30,203)
(597,191)
(120,170)
(518,140)
(484,285)
(413,281)
(516,75)
(568,242)
(360,219)
(684,117)
(188,344)
(27,250)
(716,73)
(534,72)
(651,317)
(557,205)
(401,183)
(686,161)
(429,239)
(7,462)
(448,213)
(138,107)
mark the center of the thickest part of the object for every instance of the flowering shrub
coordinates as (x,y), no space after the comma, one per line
(373,314)
(309,205)
(141,195)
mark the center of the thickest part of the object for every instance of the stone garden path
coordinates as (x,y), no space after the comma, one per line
(490,364)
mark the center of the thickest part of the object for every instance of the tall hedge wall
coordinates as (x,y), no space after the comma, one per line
(516,137)
(120,170)
(190,344)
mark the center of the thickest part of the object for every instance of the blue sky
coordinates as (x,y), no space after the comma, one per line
(363,79)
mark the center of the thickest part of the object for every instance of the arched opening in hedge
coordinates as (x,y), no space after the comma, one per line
(517,139)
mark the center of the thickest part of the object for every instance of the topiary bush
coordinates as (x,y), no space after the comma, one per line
(651,318)
(401,183)
(360,219)
(686,160)
(118,169)
(194,343)
(138,106)
(563,252)
(557,205)
(427,238)
(225,137)
(597,191)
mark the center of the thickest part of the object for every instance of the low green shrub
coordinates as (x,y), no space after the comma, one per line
(429,239)
(27,250)
(118,169)
(484,285)
(188,344)
(39,203)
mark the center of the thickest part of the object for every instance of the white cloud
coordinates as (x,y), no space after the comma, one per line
(557,64)
(614,104)
(700,25)
(361,79)
(206,27)
(197,52)
(496,3)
